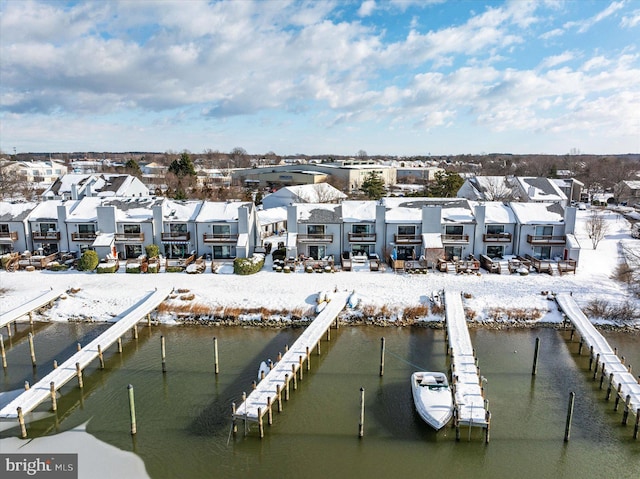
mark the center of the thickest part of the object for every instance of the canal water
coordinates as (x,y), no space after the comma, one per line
(184,416)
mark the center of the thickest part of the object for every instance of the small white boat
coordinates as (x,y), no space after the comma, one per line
(432,398)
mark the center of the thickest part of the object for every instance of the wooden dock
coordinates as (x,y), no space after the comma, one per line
(469,402)
(30,306)
(42,390)
(605,359)
(269,390)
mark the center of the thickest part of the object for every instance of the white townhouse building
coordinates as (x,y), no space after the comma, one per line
(14,231)
(77,186)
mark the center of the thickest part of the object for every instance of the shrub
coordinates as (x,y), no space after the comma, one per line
(174,269)
(106,268)
(152,250)
(153,268)
(279,254)
(246,266)
(58,267)
(88,261)
(132,269)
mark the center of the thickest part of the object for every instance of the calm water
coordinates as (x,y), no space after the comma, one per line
(184,415)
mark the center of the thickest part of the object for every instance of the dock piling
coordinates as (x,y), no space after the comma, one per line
(79,374)
(215,355)
(32,350)
(361,423)
(100,357)
(625,414)
(3,353)
(163,354)
(536,351)
(120,345)
(382,356)
(54,400)
(132,410)
(567,429)
(637,426)
(23,428)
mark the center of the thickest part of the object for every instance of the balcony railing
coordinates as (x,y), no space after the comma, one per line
(546,240)
(455,238)
(83,236)
(362,237)
(48,236)
(10,235)
(176,236)
(219,238)
(129,237)
(497,238)
(315,238)
(407,239)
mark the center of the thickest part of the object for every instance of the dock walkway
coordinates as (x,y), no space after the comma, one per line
(607,358)
(468,395)
(258,401)
(40,391)
(31,305)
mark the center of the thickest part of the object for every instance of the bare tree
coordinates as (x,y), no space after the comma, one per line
(596,227)
(325,194)
(497,189)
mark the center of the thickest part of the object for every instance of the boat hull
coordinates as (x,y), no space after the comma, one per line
(432,398)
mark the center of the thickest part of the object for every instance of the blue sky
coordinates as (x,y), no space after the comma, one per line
(390,77)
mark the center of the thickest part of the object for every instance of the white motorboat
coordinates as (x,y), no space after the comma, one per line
(432,398)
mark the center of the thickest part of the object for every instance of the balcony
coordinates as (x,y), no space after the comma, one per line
(315,238)
(219,238)
(407,239)
(497,238)
(362,237)
(129,237)
(458,239)
(175,236)
(9,235)
(48,236)
(83,236)
(546,240)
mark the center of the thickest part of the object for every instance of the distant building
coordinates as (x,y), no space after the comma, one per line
(37,172)
(512,188)
(628,192)
(319,193)
(76,187)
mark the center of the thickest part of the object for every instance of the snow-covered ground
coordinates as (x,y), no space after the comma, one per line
(103,296)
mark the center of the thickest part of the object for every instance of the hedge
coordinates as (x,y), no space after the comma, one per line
(88,261)
(246,266)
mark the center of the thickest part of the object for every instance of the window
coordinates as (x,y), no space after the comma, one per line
(49,172)
(406,252)
(131,229)
(221,229)
(87,229)
(544,230)
(317,251)
(495,251)
(4,228)
(176,250)
(495,229)
(361,229)
(362,249)
(46,227)
(452,253)
(178,227)
(132,250)
(542,252)
(454,230)
(223,252)
(408,230)
(48,248)
(315,229)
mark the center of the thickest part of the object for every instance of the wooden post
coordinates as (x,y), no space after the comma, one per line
(280,356)
(580,347)
(318,347)
(615,406)
(567,429)
(215,355)
(55,364)
(308,359)
(602,375)
(52,391)
(79,347)
(79,374)
(149,319)
(595,369)
(286,387)
(32,350)
(100,357)
(625,414)
(261,374)
(3,353)
(132,410)
(31,318)
(120,345)
(536,351)
(300,368)
(234,426)
(329,333)
(278,398)
(269,411)
(254,384)
(23,428)
(610,386)
(8,330)
(486,432)
(361,423)
(286,348)
(26,386)
(572,332)
(260,425)
(590,357)
(135,331)
(163,353)
(293,376)
(637,426)
(270,364)
(382,356)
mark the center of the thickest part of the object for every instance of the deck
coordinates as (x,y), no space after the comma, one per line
(256,404)
(608,360)
(41,391)
(29,306)
(468,395)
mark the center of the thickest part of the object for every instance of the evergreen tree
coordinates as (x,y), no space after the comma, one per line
(183,166)
(133,168)
(373,186)
(446,184)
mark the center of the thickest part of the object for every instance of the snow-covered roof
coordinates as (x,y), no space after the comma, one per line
(104,239)
(432,240)
(182,211)
(409,210)
(356,211)
(272,215)
(133,209)
(316,193)
(572,242)
(538,213)
(541,189)
(85,210)
(46,210)
(632,184)
(490,188)
(15,211)
(328,212)
(497,212)
(224,211)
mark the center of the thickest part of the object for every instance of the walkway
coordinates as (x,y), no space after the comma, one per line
(40,391)
(468,395)
(266,392)
(31,305)
(607,357)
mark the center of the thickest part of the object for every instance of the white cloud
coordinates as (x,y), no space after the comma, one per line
(584,25)
(367,8)
(632,20)
(553,60)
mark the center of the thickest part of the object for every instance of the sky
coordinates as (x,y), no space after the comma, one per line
(395,77)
